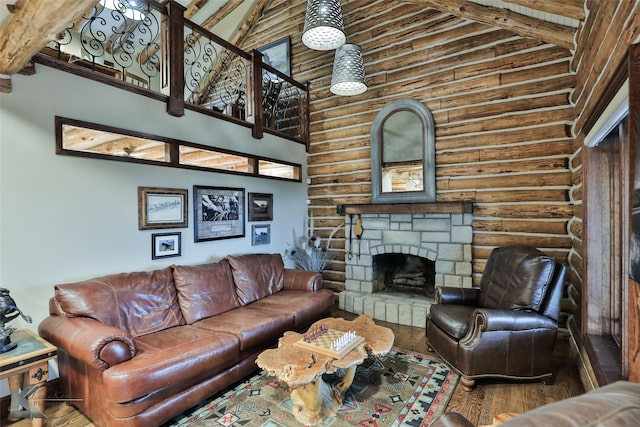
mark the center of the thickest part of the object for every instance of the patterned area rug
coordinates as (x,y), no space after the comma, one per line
(399,389)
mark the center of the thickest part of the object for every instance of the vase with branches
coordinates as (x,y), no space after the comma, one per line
(310,252)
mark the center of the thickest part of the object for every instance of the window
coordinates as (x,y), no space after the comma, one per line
(605,167)
(82,139)
(92,141)
(210,159)
(607,204)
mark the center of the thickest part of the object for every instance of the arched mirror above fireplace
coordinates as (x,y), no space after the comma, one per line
(403,154)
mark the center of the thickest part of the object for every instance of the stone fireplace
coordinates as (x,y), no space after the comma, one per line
(404,252)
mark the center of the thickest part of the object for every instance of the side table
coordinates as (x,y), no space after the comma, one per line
(26,366)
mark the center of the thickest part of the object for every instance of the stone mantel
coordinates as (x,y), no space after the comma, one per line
(407,208)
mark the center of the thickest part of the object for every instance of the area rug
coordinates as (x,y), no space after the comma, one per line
(399,389)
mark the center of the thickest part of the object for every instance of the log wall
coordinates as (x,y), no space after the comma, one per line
(502,110)
(603,42)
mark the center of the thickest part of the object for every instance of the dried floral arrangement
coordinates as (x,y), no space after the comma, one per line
(309,252)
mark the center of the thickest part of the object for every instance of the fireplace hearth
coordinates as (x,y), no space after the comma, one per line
(422,247)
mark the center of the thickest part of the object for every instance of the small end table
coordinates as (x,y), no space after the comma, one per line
(27,365)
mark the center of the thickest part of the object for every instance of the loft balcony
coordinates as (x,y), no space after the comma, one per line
(153,50)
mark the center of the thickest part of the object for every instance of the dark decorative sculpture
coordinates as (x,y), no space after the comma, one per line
(8,311)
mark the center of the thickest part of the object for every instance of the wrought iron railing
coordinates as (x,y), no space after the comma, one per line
(284,103)
(215,73)
(149,48)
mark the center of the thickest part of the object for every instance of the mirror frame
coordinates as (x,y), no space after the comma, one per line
(428,194)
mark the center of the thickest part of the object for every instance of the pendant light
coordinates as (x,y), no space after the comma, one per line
(323,25)
(347,78)
(348,71)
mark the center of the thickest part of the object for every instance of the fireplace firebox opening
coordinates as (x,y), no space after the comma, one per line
(395,272)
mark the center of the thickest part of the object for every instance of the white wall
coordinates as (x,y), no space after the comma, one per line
(65,219)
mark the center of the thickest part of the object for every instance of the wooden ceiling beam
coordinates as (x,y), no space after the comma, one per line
(252,18)
(32,25)
(525,26)
(573,9)
(194,7)
(221,13)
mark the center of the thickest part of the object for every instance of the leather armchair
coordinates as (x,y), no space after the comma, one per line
(506,327)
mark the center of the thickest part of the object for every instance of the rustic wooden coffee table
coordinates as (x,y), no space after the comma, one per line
(314,396)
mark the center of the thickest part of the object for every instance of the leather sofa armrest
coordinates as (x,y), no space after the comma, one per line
(459,296)
(96,344)
(451,419)
(301,280)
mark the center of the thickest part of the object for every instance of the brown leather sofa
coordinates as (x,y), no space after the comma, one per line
(506,327)
(136,349)
(614,405)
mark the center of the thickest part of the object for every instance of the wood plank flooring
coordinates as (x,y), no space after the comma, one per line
(487,400)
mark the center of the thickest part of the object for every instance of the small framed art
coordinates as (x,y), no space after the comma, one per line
(261,234)
(165,245)
(260,207)
(218,213)
(278,55)
(162,208)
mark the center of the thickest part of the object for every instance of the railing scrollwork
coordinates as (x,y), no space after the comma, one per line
(129,41)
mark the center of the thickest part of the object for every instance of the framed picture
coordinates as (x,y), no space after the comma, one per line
(165,245)
(260,234)
(162,208)
(278,55)
(218,213)
(260,207)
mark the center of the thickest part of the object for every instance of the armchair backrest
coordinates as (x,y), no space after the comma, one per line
(551,305)
(520,277)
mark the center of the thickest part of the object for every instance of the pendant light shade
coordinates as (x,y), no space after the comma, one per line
(348,71)
(323,25)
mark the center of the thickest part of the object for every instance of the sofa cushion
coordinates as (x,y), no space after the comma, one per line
(257,275)
(253,326)
(167,362)
(140,303)
(306,307)
(614,405)
(204,290)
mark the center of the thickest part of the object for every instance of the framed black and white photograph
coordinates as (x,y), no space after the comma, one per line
(218,213)
(278,55)
(165,245)
(162,208)
(260,206)
(260,234)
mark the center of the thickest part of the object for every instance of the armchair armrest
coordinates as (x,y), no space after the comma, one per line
(502,323)
(459,296)
(96,344)
(302,280)
(511,320)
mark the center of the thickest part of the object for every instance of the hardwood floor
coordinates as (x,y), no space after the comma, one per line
(487,400)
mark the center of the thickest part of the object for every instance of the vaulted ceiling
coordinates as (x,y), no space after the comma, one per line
(549,20)
(27,25)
